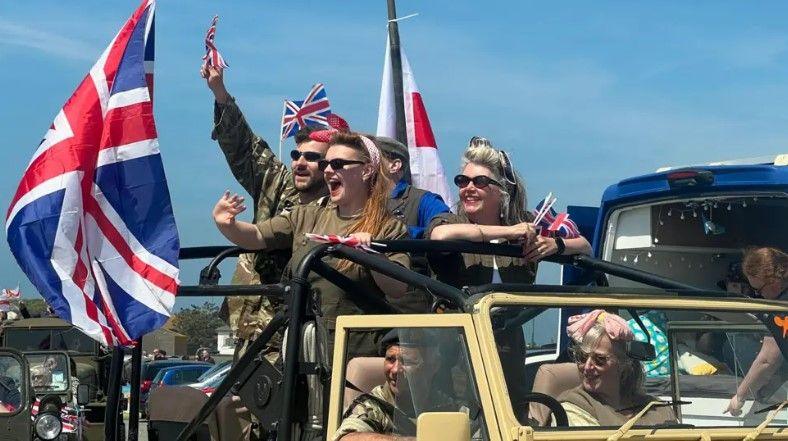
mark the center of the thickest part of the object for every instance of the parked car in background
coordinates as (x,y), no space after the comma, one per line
(210,385)
(152,368)
(223,366)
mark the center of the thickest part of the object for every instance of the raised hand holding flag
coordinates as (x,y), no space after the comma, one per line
(212,56)
(553,223)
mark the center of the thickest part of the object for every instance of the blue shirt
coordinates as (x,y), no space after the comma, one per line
(430,205)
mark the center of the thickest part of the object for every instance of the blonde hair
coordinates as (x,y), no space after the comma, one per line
(375,213)
(513,194)
(765,262)
(632,377)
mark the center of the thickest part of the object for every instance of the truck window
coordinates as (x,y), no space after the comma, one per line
(418,370)
(697,241)
(700,359)
(29,340)
(49,372)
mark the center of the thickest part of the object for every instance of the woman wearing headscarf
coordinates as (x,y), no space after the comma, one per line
(611,391)
(766,270)
(357,208)
(492,208)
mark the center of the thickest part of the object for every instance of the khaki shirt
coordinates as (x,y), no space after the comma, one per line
(270,184)
(463,269)
(583,410)
(288,231)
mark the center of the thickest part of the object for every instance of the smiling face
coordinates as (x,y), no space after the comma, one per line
(347,186)
(480,203)
(306,176)
(601,371)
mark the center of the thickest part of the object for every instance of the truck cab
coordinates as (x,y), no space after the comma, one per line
(691,223)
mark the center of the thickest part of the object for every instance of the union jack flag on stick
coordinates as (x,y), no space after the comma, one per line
(333,239)
(212,56)
(552,223)
(91,223)
(313,110)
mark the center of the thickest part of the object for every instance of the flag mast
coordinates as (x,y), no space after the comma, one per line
(396,68)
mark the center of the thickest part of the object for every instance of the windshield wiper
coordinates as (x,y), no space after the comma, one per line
(757,431)
(632,421)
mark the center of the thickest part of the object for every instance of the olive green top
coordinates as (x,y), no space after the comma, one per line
(463,269)
(289,229)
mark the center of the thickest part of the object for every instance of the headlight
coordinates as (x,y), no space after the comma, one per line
(48,426)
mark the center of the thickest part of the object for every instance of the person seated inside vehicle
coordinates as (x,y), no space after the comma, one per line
(612,390)
(389,411)
(41,376)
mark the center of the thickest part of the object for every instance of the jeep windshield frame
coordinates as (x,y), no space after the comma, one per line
(299,310)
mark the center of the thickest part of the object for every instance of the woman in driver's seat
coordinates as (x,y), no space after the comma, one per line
(611,391)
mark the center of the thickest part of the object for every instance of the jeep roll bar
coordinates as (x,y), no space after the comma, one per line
(299,290)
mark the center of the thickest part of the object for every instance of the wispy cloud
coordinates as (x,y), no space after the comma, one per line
(13,34)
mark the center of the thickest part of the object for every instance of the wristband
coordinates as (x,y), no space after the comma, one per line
(559,242)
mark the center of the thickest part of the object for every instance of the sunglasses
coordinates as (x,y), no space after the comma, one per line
(336,163)
(480,181)
(295,155)
(581,357)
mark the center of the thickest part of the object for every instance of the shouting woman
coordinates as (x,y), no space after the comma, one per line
(357,208)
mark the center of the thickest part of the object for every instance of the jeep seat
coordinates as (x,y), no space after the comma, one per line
(171,408)
(552,380)
(366,373)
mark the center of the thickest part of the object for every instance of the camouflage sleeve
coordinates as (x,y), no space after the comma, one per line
(366,417)
(251,160)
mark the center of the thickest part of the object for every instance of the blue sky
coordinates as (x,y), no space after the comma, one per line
(582,94)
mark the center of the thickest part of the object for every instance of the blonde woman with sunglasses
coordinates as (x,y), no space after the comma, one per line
(611,390)
(353,172)
(492,208)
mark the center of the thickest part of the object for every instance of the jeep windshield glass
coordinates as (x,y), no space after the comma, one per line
(49,373)
(49,340)
(11,394)
(698,360)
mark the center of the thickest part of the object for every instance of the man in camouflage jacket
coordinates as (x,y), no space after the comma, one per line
(274,189)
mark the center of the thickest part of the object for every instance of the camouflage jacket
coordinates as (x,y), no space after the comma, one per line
(270,184)
(367,415)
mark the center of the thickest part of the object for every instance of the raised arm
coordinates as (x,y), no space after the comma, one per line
(243,234)
(251,161)
(481,233)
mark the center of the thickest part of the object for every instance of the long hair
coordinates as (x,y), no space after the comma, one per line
(632,377)
(375,213)
(513,195)
(766,262)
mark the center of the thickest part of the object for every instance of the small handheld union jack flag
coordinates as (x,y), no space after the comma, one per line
(313,110)
(212,56)
(341,240)
(552,223)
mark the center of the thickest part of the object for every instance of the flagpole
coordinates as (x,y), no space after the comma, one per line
(282,123)
(396,68)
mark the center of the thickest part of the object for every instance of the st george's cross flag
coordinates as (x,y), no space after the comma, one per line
(91,223)
(426,168)
(311,111)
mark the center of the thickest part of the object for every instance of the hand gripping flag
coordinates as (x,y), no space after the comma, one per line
(341,240)
(312,111)
(91,223)
(212,56)
(553,223)
(426,168)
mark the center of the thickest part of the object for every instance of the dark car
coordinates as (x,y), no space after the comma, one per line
(151,369)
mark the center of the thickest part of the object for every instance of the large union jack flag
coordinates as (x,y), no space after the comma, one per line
(312,111)
(91,223)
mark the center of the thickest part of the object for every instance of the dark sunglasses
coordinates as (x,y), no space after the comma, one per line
(336,163)
(582,356)
(480,181)
(295,155)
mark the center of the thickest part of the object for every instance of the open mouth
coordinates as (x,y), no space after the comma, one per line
(334,185)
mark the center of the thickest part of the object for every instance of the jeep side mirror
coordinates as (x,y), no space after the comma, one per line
(448,426)
(83,394)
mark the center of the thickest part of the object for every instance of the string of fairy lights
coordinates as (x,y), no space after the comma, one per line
(692,211)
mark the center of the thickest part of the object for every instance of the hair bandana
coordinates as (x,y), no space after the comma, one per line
(615,326)
(335,124)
